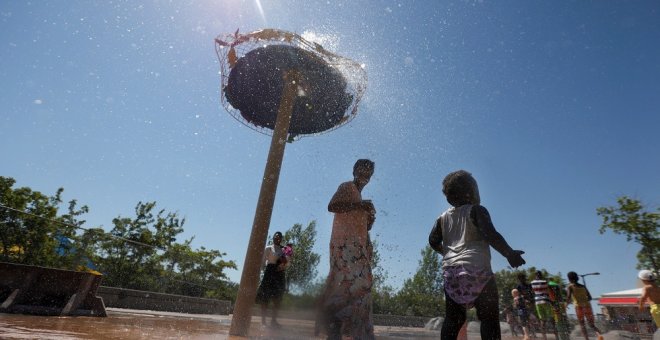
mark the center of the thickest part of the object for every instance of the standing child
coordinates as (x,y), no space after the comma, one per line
(527,293)
(524,288)
(463,235)
(580,296)
(559,310)
(511,319)
(543,304)
(650,292)
(520,307)
(273,283)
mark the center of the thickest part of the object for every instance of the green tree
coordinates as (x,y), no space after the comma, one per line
(138,253)
(143,254)
(130,258)
(302,270)
(197,272)
(383,295)
(422,295)
(30,228)
(75,247)
(379,273)
(632,219)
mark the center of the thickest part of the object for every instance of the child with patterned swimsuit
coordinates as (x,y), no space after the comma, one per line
(463,235)
(580,296)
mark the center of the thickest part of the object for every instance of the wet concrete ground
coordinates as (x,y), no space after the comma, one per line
(135,324)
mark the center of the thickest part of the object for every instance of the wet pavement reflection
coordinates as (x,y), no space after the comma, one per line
(118,325)
(134,324)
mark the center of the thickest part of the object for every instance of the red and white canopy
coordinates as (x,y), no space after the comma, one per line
(622,298)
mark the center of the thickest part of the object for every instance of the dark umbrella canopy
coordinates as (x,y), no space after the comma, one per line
(255,88)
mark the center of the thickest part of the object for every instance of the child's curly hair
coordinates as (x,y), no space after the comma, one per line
(457,186)
(364,163)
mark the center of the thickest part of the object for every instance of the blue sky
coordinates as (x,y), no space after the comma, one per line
(553,106)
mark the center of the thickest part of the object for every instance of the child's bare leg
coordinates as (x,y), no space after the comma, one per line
(532,325)
(529,328)
(276,307)
(488,311)
(525,334)
(554,328)
(462,334)
(454,319)
(585,334)
(263,313)
(544,327)
(593,326)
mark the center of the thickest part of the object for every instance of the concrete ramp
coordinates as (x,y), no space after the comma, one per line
(47,291)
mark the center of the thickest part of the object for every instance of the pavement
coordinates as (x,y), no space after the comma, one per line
(141,324)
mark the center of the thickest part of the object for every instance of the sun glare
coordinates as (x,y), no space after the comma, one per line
(261,10)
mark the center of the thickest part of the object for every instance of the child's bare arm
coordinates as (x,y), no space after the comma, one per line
(435,237)
(642,299)
(569,295)
(482,220)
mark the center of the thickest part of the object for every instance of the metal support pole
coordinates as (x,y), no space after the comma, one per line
(247,290)
(584,280)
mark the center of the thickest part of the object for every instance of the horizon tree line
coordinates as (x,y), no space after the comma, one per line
(143,252)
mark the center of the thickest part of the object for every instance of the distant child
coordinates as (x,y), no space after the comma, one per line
(520,308)
(524,288)
(511,319)
(463,235)
(650,292)
(581,298)
(544,304)
(273,282)
(559,310)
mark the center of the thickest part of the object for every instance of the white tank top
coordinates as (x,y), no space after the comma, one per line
(462,243)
